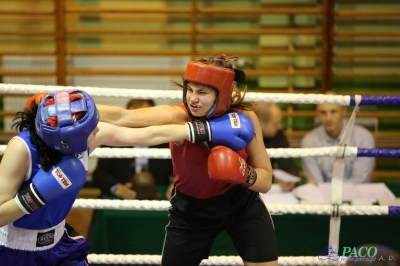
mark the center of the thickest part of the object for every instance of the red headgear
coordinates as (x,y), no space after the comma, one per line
(218,77)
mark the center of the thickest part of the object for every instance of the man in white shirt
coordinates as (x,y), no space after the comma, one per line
(319,169)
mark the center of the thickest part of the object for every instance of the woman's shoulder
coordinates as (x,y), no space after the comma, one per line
(19,147)
(23,138)
(250,114)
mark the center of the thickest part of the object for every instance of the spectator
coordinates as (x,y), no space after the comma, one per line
(270,116)
(329,133)
(113,175)
(145,186)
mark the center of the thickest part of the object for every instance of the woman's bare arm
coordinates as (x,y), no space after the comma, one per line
(143,117)
(258,158)
(13,169)
(112,135)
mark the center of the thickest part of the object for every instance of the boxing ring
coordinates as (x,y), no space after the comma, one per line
(335,210)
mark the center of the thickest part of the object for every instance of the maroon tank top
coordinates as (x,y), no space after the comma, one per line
(190,169)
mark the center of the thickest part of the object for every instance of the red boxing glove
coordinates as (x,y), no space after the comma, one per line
(226,165)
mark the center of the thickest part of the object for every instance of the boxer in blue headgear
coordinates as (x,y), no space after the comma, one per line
(33,229)
(45,166)
(66,119)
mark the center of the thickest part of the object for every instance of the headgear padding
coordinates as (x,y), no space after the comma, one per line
(70,133)
(220,78)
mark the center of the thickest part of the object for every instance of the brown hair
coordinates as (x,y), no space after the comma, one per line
(138,103)
(144,185)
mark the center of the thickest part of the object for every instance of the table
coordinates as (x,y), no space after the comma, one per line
(142,232)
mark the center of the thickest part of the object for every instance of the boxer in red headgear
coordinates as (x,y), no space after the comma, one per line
(222,79)
(216,187)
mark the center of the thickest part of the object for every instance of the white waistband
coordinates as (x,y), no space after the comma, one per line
(32,240)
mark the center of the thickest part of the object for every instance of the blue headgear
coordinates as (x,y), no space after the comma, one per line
(69,136)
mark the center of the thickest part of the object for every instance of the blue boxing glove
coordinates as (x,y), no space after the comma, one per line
(233,130)
(69,175)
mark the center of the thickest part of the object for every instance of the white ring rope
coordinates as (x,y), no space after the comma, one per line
(94,91)
(166,154)
(212,260)
(163,205)
(273,153)
(177,94)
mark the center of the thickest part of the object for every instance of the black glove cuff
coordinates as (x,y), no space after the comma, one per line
(29,199)
(198,131)
(251,176)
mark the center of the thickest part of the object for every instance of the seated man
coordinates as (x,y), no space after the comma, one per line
(270,116)
(329,133)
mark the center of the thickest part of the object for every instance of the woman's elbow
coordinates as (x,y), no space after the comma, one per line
(264,188)
(264,181)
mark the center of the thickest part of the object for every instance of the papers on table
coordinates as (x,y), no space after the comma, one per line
(375,191)
(310,193)
(276,196)
(358,194)
(285,176)
(389,202)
